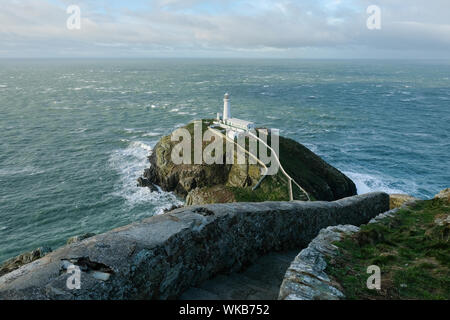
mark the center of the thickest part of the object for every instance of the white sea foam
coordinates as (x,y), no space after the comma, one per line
(138,144)
(151,134)
(80,130)
(133,130)
(368,183)
(27,171)
(130,163)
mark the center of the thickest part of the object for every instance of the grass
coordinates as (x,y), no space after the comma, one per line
(411,249)
(273,188)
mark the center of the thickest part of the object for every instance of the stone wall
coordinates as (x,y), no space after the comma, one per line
(160,257)
(305,279)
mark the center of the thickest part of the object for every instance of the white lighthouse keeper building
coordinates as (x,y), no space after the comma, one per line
(234,126)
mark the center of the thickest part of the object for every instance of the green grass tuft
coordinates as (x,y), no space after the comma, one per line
(411,249)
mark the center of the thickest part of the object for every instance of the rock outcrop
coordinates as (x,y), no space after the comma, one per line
(444,194)
(220,183)
(80,237)
(23,259)
(397,200)
(164,255)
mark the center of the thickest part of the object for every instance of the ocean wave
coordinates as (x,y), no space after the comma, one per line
(130,163)
(151,134)
(369,183)
(133,131)
(27,171)
(138,144)
(80,130)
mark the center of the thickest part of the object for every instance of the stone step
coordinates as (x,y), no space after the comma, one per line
(260,281)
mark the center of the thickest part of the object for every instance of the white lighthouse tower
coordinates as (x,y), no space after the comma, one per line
(233,126)
(226,107)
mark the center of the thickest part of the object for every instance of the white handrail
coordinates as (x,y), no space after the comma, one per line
(263,164)
(281,167)
(229,139)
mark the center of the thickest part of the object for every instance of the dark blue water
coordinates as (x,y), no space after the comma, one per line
(76,134)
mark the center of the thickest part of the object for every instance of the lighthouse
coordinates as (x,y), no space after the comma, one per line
(233,125)
(226,107)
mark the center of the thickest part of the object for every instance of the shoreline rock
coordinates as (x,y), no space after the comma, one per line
(80,238)
(23,259)
(444,194)
(398,200)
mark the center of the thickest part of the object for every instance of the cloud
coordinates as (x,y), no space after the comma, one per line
(222,28)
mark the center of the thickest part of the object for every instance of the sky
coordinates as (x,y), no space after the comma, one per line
(329,29)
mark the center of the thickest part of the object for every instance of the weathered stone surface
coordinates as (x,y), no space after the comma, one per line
(443,219)
(260,281)
(22,259)
(80,238)
(444,194)
(207,195)
(315,175)
(181,178)
(397,200)
(164,255)
(305,278)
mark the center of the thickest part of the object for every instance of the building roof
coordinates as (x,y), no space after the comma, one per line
(239,122)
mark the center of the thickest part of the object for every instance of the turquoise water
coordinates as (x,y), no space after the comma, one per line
(76,134)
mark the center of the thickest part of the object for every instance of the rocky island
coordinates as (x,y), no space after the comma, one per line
(222,183)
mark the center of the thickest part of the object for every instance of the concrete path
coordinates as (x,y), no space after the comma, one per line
(260,281)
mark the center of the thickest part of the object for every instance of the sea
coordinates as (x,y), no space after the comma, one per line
(76,133)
